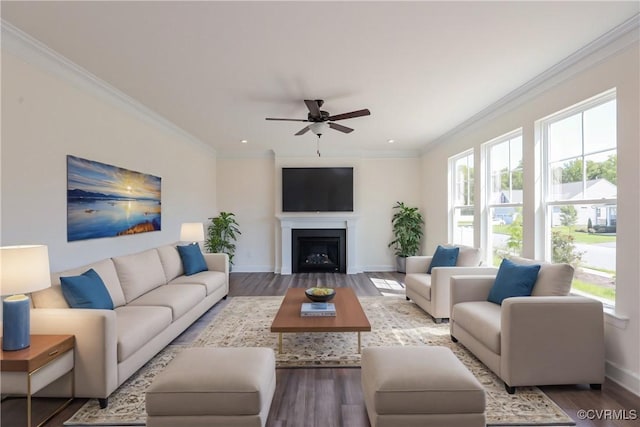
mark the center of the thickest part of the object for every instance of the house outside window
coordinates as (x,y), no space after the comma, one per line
(580,193)
(504,178)
(461,219)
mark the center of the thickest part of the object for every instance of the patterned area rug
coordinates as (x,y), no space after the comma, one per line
(245,322)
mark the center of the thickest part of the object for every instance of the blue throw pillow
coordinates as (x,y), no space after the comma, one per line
(192,259)
(444,257)
(513,280)
(86,291)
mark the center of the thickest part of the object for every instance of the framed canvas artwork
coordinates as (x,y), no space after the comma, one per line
(109,201)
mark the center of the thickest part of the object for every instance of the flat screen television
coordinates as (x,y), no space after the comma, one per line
(317,189)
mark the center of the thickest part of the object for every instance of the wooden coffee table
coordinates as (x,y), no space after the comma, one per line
(349,315)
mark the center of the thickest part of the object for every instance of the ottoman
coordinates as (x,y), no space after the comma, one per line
(231,387)
(420,386)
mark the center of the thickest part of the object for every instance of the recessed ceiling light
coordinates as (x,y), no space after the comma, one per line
(244,141)
(391,141)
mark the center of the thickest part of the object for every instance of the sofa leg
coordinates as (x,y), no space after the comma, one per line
(454,339)
(595,386)
(103,402)
(225,297)
(408,299)
(510,390)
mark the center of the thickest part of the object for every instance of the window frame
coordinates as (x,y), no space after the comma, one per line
(453,192)
(487,176)
(547,202)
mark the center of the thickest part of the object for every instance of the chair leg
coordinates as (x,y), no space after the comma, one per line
(103,402)
(510,390)
(595,386)
(454,339)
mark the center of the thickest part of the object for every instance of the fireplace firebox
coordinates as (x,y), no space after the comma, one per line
(318,250)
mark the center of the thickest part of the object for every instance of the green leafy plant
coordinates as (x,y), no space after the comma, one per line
(222,234)
(407,230)
(564,248)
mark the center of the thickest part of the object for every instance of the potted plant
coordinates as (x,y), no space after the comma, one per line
(407,230)
(222,233)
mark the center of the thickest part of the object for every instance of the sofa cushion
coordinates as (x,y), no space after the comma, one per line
(171,262)
(179,298)
(444,257)
(86,291)
(482,320)
(553,279)
(513,280)
(419,283)
(53,298)
(137,325)
(139,273)
(211,280)
(192,260)
(468,256)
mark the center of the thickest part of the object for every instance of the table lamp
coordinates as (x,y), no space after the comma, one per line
(23,269)
(192,232)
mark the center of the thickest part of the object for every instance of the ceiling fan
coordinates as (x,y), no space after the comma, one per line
(320,119)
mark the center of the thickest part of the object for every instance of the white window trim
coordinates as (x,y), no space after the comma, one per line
(452,189)
(486,205)
(543,127)
(543,241)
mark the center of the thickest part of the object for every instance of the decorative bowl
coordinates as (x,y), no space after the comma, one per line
(320,294)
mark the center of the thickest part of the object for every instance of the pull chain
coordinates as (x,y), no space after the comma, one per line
(318,145)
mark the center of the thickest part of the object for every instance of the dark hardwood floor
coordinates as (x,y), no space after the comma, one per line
(330,397)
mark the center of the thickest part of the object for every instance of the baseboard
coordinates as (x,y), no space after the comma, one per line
(370,268)
(623,377)
(252,269)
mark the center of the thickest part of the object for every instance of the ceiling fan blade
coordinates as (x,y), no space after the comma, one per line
(340,127)
(303,130)
(350,115)
(287,120)
(314,107)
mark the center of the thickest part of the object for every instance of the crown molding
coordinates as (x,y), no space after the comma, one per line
(605,46)
(40,55)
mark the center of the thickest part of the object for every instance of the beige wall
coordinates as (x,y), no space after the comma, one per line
(45,118)
(251,188)
(583,81)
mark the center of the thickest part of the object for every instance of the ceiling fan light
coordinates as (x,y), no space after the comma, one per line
(319,127)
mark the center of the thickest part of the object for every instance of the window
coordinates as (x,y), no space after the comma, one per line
(503,160)
(461,219)
(580,194)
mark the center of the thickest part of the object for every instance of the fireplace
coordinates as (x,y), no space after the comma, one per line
(318,250)
(321,221)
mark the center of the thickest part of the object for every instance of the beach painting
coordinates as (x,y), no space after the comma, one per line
(108,201)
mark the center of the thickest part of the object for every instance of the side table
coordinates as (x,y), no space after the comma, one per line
(27,371)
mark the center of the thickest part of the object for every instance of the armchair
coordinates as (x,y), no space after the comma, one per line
(431,291)
(544,339)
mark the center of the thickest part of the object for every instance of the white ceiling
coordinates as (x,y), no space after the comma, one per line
(217,69)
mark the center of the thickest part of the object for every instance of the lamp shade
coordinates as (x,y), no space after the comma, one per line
(24,269)
(192,232)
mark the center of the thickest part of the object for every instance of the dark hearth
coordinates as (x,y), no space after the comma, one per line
(318,250)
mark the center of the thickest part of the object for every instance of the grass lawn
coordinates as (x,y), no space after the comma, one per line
(587,238)
(581,237)
(590,288)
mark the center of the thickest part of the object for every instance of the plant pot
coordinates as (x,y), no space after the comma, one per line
(401,264)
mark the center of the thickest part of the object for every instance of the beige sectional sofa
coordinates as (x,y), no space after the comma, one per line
(547,338)
(154,302)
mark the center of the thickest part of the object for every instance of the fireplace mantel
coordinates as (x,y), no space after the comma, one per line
(321,220)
